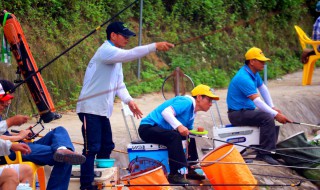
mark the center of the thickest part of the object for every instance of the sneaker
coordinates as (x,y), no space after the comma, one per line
(69,157)
(267,158)
(192,174)
(177,179)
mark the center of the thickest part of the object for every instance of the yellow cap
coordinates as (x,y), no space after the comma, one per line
(204,90)
(256,53)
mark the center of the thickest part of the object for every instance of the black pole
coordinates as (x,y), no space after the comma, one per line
(75,44)
(199,185)
(255,148)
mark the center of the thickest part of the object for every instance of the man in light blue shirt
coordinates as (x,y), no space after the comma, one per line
(170,123)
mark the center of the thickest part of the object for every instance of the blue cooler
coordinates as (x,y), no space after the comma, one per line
(153,151)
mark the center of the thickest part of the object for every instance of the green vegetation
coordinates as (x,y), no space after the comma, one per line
(234,26)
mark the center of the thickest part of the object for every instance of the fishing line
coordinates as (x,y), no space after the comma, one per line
(239,23)
(306,124)
(299,148)
(199,185)
(253,164)
(255,148)
(294,178)
(82,99)
(73,142)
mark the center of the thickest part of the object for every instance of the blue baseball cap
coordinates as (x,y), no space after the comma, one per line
(119,28)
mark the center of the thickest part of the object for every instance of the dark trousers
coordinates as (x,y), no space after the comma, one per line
(173,141)
(265,121)
(98,142)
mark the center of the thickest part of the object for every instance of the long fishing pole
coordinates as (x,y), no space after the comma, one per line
(255,148)
(84,98)
(299,148)
(72,46)
(239,23)
(285,177)
(306,124)
(74,142)
(200,185)
(253,164)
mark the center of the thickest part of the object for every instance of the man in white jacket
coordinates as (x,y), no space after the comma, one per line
(103,80)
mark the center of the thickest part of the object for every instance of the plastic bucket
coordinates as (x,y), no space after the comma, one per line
(227,173)
(153,176)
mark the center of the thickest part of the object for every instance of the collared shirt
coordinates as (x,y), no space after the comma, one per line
(316,30)
(184,109)
(103,79)
(243,85)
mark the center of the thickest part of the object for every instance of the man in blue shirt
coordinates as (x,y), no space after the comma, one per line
(243,98)
(170,123)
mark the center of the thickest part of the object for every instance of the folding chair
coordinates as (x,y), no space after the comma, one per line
(38,171)
(126,112)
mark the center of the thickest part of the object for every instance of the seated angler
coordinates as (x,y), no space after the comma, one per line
(170,123)
(54,149)
(243,98)
(12,174)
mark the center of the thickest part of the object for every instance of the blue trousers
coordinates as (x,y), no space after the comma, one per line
(97,138)
(42,152)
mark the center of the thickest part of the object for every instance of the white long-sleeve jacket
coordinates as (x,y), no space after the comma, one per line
(103,79)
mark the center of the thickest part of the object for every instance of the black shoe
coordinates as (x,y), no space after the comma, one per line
(69,157)
(267,158)
(192,174)
(177,179)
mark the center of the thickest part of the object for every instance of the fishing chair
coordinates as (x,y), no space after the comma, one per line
(37,170)
(126,112)
(143,155)
(309,66)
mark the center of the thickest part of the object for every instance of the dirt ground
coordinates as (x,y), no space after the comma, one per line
(299,103)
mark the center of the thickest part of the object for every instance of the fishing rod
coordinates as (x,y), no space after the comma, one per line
(255,148)
(226,28)
(84,98)
(71,47)
(36,134)
(253,164)
(294,178)
(200,185)
(299,148)
(306,124)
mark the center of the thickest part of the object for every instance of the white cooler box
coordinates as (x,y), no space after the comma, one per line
(105,176)
(244,135)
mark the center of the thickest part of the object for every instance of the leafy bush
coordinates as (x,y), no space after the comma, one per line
(220,32)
